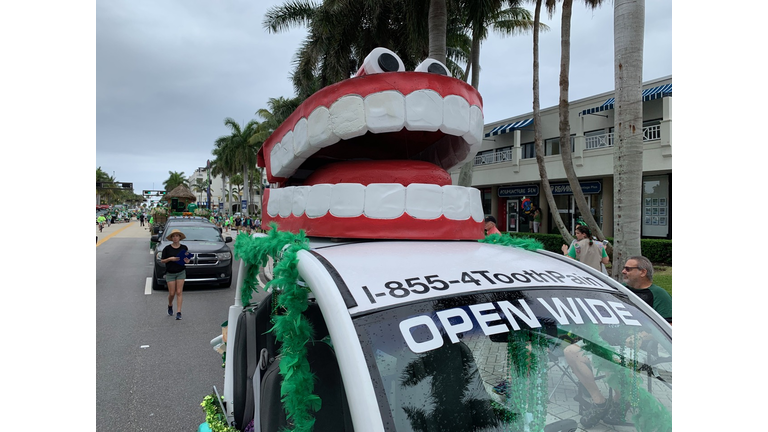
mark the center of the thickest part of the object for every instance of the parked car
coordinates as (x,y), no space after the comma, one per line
(211,262)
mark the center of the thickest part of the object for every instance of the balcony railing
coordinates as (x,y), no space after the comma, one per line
(650,133)
(495,157)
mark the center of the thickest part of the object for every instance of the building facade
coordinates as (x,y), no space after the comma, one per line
(507,175)
(219,193)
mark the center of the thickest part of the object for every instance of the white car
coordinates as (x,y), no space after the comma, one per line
(463,335)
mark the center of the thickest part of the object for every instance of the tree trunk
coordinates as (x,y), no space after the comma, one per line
(565,127)
(465,174)
(628,28)
(438,23)
(476,55)
(537,131)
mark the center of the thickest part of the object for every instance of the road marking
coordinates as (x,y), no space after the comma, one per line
(148,286)
(113,234)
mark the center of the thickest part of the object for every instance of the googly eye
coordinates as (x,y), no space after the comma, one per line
(380,60)
(432,66)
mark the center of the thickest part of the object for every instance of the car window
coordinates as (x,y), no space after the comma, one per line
(496,361)
(197,233)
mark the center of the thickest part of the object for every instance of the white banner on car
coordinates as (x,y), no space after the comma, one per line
(378,277)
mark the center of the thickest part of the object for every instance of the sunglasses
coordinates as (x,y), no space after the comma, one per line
(627,269)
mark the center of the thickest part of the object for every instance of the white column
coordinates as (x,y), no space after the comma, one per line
(516,151)
(666,127)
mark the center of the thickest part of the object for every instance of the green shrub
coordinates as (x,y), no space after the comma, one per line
(658,251)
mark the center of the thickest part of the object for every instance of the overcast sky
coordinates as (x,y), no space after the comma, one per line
(168,72)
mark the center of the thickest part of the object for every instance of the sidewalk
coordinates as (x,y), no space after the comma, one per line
(132,229)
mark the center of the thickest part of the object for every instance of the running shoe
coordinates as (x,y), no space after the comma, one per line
(170,310)
(178,315)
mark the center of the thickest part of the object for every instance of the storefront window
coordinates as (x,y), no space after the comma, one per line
(486,197)
(656,206)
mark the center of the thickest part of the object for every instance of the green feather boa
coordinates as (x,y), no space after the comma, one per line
(518,242)
(290,326)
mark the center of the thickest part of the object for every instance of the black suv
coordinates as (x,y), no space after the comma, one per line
(211,261)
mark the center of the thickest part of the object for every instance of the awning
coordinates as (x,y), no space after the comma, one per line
(648,94)
(498,130)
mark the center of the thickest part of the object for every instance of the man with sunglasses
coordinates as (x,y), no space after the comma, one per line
(638,278)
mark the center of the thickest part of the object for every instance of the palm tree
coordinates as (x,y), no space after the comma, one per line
(564,111)
(107,191)
(341,33)
(174,180)
(628,28)
(478,16)
(244,154)
(538,142)
(200,186)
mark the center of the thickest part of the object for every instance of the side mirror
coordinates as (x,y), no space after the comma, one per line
(155,239)
(228,239)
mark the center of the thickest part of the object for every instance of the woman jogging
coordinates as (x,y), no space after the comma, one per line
(175,256)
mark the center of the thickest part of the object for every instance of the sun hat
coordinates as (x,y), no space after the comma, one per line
(168,237)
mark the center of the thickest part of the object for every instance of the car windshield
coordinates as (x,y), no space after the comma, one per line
(198,233)
(497,362)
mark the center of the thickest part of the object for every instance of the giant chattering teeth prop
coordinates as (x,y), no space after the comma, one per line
(367,157)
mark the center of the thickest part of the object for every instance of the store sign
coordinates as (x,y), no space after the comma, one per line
(518,191)
(588,188)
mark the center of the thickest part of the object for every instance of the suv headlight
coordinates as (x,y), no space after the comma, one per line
(159,257)
(224,256)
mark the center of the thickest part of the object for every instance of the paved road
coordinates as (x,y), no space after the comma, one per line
(152,371)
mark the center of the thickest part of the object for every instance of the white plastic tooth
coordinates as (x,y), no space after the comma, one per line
(299,200)
(455,115)
(318,200)
(347,199)
(276,159)
(319,131)
(475,134)
(348,117)
(273,205)
(476,204)
(292,162)
(384,200)
(301,148)
(424,201)
(423,111)
(456,202)
(385,111)
(286,202)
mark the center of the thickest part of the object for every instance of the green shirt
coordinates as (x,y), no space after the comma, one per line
(658,298)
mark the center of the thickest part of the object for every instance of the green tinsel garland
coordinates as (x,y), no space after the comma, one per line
(528,379)
(290,326)
(650,415)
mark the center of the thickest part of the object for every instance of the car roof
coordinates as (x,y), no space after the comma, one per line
(368,269)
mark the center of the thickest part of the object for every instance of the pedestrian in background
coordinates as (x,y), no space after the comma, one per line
(247,224)
(586,250)
(536,226)
(490,226)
